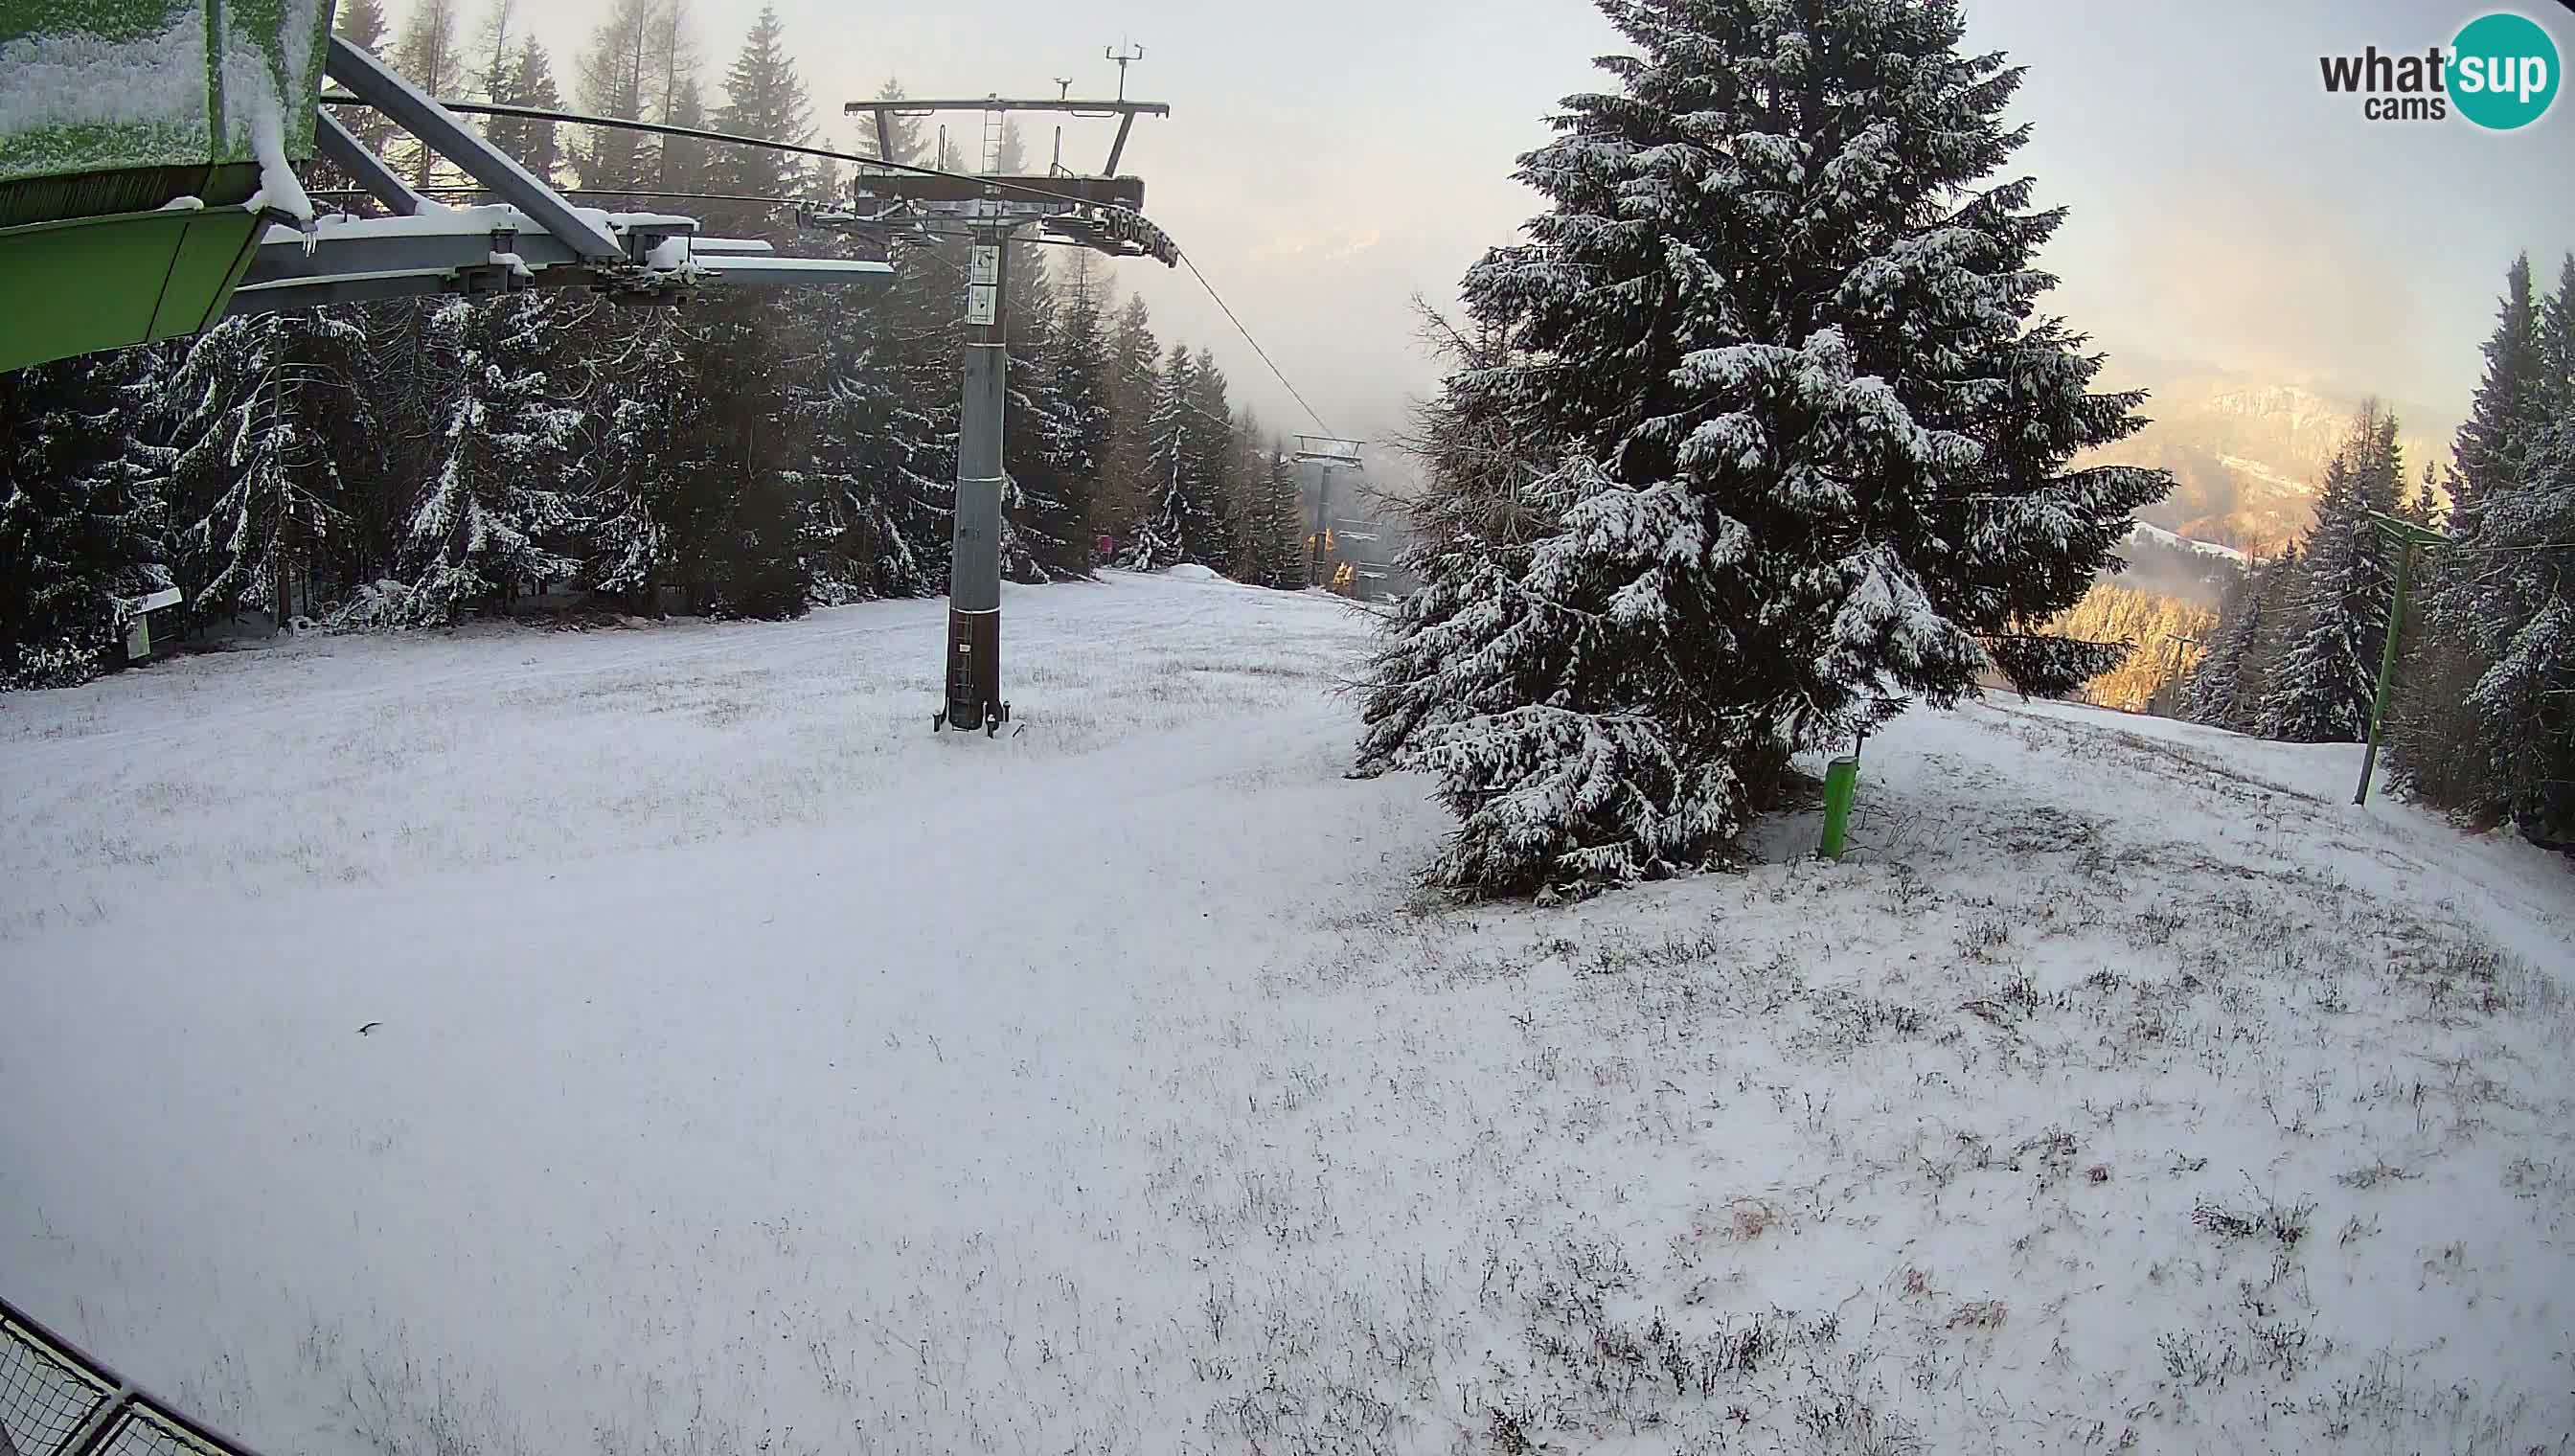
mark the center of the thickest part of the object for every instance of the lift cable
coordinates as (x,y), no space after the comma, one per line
(359,194)
(1255,343)
(575,118)
(355,194)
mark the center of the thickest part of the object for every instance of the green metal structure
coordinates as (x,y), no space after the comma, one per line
(2404,535)
(136,138)
(1841,786)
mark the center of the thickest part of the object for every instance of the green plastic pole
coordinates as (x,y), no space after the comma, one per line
(2386,673)
(1841,783)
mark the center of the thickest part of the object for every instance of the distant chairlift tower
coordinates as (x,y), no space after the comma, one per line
(1318,457)
(1103,213)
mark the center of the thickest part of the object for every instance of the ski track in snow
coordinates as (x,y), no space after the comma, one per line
(758,1072)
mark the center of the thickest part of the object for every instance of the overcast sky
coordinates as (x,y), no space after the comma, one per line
(1327,159)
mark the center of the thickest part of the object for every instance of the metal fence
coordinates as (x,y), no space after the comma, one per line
(57,1401)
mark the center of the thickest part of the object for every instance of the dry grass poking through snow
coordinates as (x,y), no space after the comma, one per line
(2127,1093)
(2067,1124)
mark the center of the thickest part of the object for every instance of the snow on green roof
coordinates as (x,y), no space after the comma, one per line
(110,85)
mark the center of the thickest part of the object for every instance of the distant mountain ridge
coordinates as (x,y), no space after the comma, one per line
(2248,451)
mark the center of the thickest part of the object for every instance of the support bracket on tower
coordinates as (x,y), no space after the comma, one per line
(1103,213)
(529,236)
(375,84)
(340,147)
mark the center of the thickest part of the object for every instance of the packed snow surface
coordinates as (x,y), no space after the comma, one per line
(751,1071)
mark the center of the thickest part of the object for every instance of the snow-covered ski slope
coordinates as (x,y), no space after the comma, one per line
(755,1072)
(2160,537)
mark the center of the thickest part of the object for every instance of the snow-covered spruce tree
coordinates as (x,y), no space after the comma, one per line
(2274,632)
(1046,506)
(1781,313)
(614,528)
(2434,747)
(1209,423)
(738,523)
(1173,523)
(2222,694)
(1494,490)
(1251,526)
(2520,592)
(738,526)
(2322,689)
(878,404)
(2502,422)
(431,55)
(2429,747)
(80,527)
(1048,450)
(262,409)
(494,508)
(403,386)
(2423,506)
(639,417)
(1134,382)
(1278,524)
(764,98)
(1078,356)
(529,80)
(608,80)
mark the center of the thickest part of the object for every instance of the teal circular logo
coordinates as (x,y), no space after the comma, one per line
(2503,71)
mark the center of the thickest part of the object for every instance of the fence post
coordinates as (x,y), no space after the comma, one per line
(1841,784)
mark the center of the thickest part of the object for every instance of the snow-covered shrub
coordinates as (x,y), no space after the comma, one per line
(61,664)
(385,605)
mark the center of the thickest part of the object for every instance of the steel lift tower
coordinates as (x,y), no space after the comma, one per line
(1325,454)
(1103,213)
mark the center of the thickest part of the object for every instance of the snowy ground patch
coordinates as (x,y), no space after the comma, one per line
(755,1071)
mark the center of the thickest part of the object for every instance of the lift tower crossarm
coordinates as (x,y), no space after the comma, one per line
(1126,110)
(1075,105)
(495,247)
(421,115)
(1058,191)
